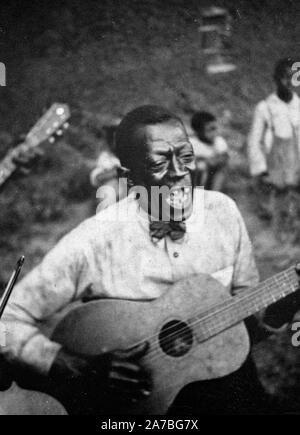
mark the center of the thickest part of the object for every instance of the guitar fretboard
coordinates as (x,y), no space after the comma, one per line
(47,125)
(240,307)
(7,167)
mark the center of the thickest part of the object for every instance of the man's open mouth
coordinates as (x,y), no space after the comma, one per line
(179,197)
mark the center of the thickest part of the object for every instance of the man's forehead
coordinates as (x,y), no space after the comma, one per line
(165,132)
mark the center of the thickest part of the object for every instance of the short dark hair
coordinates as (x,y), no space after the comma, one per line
(281,66)
(128,148)
(200,119)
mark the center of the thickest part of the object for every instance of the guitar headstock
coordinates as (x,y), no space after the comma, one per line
(49,124)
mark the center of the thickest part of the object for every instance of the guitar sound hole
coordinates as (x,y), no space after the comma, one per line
(175,338)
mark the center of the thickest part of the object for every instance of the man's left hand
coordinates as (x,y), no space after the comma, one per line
(285,310)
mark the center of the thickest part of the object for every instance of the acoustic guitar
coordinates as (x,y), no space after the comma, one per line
(49,124)
(195,332)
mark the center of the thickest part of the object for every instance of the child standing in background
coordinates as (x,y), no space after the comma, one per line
(211,151)
(274,153)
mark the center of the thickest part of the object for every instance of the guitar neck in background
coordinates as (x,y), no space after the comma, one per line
(51,122)
(7,165)
(240,307)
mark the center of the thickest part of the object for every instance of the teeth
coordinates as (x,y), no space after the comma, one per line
(179,197)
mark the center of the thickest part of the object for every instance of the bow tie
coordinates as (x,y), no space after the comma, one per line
(159,229)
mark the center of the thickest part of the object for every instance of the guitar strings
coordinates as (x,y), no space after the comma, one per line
(216,326)
(281,278)
(229,306)
(156,350)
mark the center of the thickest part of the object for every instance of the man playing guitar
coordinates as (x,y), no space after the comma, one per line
(138,258)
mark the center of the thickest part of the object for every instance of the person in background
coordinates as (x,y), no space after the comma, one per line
(211,151)
(273,149)
(107,172)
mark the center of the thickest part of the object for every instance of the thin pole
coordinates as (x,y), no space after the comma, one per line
(10,285)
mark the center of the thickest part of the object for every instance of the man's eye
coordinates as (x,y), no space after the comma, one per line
(158,166)
(187,158)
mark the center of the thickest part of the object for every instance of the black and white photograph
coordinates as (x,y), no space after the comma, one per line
(150,210)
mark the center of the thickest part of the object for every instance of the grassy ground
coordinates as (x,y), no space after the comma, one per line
(106,58)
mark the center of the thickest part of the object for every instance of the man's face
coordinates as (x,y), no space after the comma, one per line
(168,161)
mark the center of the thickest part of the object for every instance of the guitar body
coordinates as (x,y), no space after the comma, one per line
(106,325)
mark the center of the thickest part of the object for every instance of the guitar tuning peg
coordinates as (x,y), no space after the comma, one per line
(51,139)
(66,125)
(59,132)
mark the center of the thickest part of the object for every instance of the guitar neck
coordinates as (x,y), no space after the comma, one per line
(54,119)
(240,307)
(7,167)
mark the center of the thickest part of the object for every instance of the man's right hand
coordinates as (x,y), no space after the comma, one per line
(118,373)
